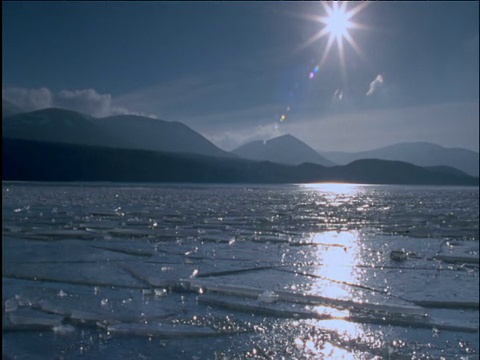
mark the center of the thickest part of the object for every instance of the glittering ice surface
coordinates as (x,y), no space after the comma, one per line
(98,271)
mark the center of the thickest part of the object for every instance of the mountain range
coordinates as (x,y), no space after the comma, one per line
(26,160)
(135,148)
(285,149)
(417,153)
(122,131)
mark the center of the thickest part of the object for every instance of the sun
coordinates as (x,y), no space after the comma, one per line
(337,25)
(337,22)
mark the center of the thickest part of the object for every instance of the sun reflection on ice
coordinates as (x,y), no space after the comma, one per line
(336,255)
(320,347)
(335,274)
(336,188)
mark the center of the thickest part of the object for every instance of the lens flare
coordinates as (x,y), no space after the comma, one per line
(337,23)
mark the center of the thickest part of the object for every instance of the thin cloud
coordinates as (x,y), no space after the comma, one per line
(338,96)
(231,140)
(375,84)
(29,99)
(188,96)
(230,129)
(87,101)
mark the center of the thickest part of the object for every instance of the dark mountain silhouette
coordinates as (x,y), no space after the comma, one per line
(9,108)
(374,171)
(58,125)
(417,153)
(63,145)
(151,134)
(125,131)
(446,170)
(285,149)
(25,160)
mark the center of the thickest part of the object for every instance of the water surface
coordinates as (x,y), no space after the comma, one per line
(224,272)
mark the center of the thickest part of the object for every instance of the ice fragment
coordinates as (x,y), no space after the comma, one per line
(268,297)
(10,305)
(63,329)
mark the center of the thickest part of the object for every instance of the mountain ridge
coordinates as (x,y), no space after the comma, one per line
(139,132)
(57,125)
(120,131)
(24,160)
(417,153)
(284,149)
(159,135)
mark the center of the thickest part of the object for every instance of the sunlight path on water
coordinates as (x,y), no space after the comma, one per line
(338,253)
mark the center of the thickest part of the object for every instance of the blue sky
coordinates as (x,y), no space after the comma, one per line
(230,70)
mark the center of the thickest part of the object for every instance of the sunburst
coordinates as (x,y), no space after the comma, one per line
(337,25)
(337,22)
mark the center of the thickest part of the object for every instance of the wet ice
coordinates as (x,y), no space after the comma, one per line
(257,267)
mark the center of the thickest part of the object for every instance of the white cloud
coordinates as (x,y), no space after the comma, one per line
(375,84)
(29,99)
(230,140)
(231,129)
(87,101)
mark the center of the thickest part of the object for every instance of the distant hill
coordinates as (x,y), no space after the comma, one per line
(58,125)
(9,108)
(417,153)
(285,149)
(158,135)
(370,171)
(25,160)
(125,131)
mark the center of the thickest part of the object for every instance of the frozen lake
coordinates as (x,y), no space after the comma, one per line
(98,271)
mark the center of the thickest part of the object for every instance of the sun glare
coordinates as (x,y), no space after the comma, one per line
(337,22)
